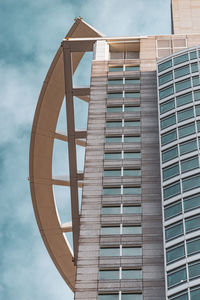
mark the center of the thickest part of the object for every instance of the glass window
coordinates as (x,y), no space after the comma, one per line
(115,81)
(131,297)
(193,246)
(169,154)
(165,78)
(180,59)
(132,139)
(132,95)
(108,274)
(116,69)
(112,191)
(189,164)
(171,190)
(133,155)
(111,210)
(194,67)
(165,65)
(114,95)
(114,109)
(198,126)
(108,297)
(132,81)
(191,183)
(131,123)
(197,95)
(131,209)
(132,229)
(197,108)
(180,296)
(185,99)
(131,251)
(186,130)
(192,223)
(176,277)
(132,68)
(168,137)
(114,139)
(110,230)
(112,155)
(169,105)
(188,147)
(185,114)
(194,269)
(131,190)
(170,172)
(132,172)
(193,55)
(181,71)
(166,92)
(182,85)
(173,210)
(166,122)
(110,252)
(131,108)
(175,253)
(113,124)
(131,274)
(195,81)
(174,231)
(195,293)
(108,173)
(191,202)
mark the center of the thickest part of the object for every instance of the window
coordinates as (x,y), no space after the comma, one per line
(111,210)
(132,108)
(186,130)
(169,154)
(167,64)
(131,251)
(195,81)
(133,155)
(114,95)
(194,269)
(188,147)
(193,246)
(182,85)
(165,78)
(180,59)
(110,230)
(114,109)
(180,296)
(132,68)
(132,172)
(108,274)
(168,137)
(185,114)
(189,164)
(166,92)
(131,209)
(197,95)
(132,139)
(131,297)
(132,190)
(115,81)
(176,276)
(108,297)
(191,202)
(175,253)
(174,231)
(116,69)
(114,139)
(193,55)
(192,223)
(171,171)
(111,191)
(194,67)
(132,229)
(112,155)
(173,210)
(110,251)
(195,293)
(191,183)
(132,95)
(131,123)
(197,108)
(166,106)
(113,124)
(169,121)
(108,173)
(171,190)
(131,274)
(132,81)
(185,99)
(181,71)
(198,126)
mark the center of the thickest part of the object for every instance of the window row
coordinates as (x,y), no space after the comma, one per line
(121,209)
(177,73)
(180,101)
(181,250)
(121,95)
(123,81)
(186,165)
(175,209)
(123,139)
(121,273)
(122,123)
(187,225)
(179,275)
(194,294)
(182,115)
(179,86)
(122,155)
(121,229)
(122,172)
(188,184)
(121,251)
(177,60)
(183,131)
(122,108)
(124,68)
(123,190)
(123,296)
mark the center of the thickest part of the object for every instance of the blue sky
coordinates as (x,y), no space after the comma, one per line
(31,32)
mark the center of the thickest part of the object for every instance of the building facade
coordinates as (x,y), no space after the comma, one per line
(137,234)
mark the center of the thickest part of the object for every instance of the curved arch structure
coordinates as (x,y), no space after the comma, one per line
(41,150)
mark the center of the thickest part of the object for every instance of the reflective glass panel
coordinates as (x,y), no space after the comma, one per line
(112,191)
(113,124)
(108,297)
(189,164)
(168,137)
(186,130)
(195,81)
(194,270)
(108,274)
(111,210)
(131,123)
(182,85)
(132,95)
(132,229)
(193,55)
(188,147)
(110,230)
(132,68)
(131,108)
(192,223)
(169,105)
(193,246)
(110,252)
(132,191)
(113,139)
(194,67)
(115,82)
(166,122)
(174,231)
(131,209)
(195,294)
(132,155)
(131,297)
(166,92)
(191,183)
(114,109)
(181,71)
(171,171)
(131,274)
(174,254)
(132,173)
(171,190)
(198,126)
(165,65)
(197,108)
(197,95)
(165,78)
(132,81)
(116,69)
(114,95)
(180,296)
(180,59)
(173,210)
(191,202)
(169,154)
(131,251)
(112,155)
(108,173)
(177,277)
(185,114)
(132,139)
(185,99)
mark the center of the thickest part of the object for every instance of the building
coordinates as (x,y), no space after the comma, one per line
(137,236)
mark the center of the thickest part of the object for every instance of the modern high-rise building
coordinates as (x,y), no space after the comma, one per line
(136,236)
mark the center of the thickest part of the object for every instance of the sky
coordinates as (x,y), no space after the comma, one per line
(31,32)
